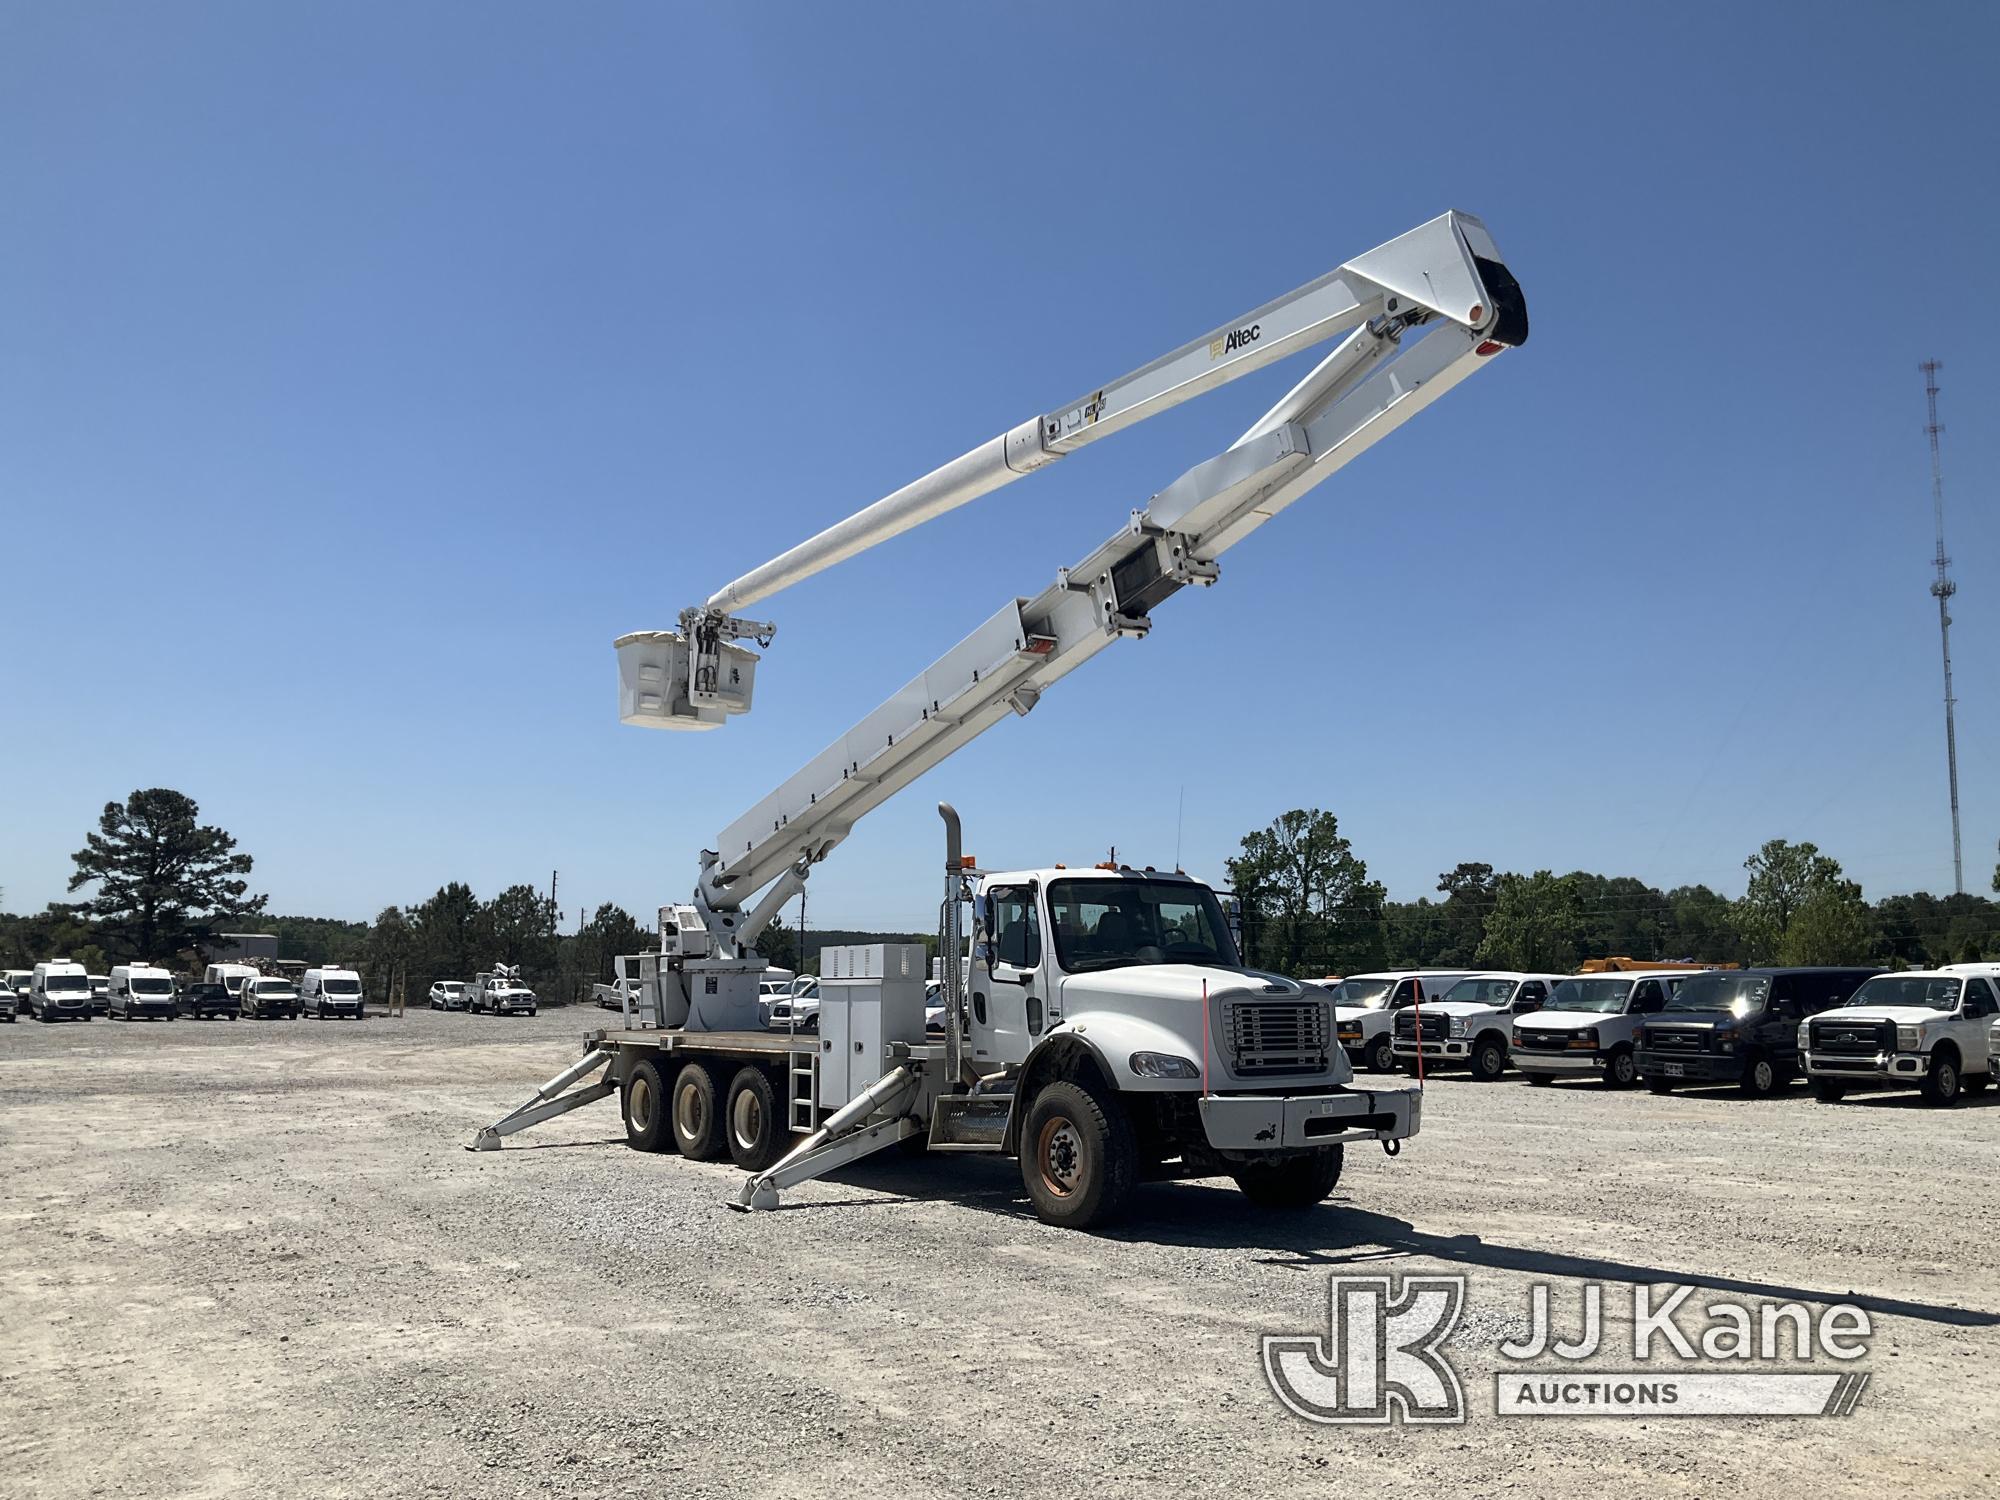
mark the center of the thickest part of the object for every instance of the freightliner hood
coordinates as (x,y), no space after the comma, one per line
(1136,982)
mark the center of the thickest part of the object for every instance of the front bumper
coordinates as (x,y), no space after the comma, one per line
(1529,1060)
(1696,1067)
(147,1007)
(1279,1122)
(1445,1051)
(1890,1066)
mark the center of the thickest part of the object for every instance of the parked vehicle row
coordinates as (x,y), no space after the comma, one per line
(59,990)
(1757,1029)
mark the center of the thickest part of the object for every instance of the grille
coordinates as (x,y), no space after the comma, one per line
(1661,1039)
(1435,1027)
(1278,1036)
(1542,1041)
(1856,1038)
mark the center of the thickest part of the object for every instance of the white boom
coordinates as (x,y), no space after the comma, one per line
(1444,278)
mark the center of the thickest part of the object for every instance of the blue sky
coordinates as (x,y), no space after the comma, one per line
(366,369)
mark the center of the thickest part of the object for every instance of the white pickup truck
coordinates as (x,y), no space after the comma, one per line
(1928,1030)
(1364,1005)
(1470,1024)
(499,991)
(1590,1025)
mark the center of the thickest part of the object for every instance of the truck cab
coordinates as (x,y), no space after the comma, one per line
(1738,1026)
(1471,1023)
(1365,1005)
(1590,1027)
(1113,1007)
(59,991)
(139,991)
(1926,1030)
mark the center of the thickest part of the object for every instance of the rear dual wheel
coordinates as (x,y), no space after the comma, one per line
(646,1102)
(755,1134)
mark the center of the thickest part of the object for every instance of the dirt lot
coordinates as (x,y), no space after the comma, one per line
(253,1257)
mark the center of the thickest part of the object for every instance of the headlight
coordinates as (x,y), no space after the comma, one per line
(1805,1041)
(1458,1026)
(1724,1038)
(1585,1040)
(1163,1065)
(1909,1038)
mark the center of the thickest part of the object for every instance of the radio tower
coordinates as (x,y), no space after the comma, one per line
(1942,588)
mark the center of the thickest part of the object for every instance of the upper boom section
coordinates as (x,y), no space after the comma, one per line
(694,678)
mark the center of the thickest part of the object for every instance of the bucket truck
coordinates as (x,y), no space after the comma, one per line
(1101,1026)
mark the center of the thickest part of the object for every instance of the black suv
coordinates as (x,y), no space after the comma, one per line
(1739,1026)
(204,1000)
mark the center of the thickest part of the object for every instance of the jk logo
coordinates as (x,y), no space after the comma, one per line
(1379,1361)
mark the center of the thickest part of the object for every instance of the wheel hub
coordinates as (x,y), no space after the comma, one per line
(1061,1154)
(747,1119)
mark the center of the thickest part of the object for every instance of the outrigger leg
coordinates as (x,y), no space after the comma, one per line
(550,1101)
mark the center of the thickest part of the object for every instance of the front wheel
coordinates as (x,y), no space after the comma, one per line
(1381,1055)
(1621,1069)
(1540,1080)
(1975,1083)
(1829,1090)
(1293,1183)
(1659,1085)
(1489,1059)
(1760,1078)
(1941,1083)
(1079,1160)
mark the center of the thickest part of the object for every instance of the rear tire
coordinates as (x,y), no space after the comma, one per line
(755,1132)
(1489,1059)
(1079,1160)
(645,1105)
(1829,1090)
(697,1113)
(1294,1183)
(1941,1083)
(1381,1055)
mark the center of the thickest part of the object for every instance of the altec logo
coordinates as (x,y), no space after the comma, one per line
(1236,338)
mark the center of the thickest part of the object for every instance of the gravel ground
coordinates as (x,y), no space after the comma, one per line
(255,1257)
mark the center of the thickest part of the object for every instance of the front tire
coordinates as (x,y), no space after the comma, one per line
(1829,1090)
(644,1102)
(1975,1083)
(755,1133)
(1381,1056)
(1621,1069)
(1540,1080)
(1941,1084)
(1294,1183)
(1659,1085)
(1761,1078)
(1489,1060)
(1079,1160)
(697,1119)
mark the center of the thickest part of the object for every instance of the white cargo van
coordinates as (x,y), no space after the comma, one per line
(59,990)
(140,990)
(265,995)
(331,992)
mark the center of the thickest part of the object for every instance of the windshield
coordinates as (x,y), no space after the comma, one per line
(341,986)
(1891,989)
(1735,993)
(1107,924)
(1362,994)
(1605,996)
(1489,992)
(67,984)
(143,984)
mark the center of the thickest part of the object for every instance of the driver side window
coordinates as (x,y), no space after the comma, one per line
(1530,997)
(1647,997)
(1017,929)
(1978,998)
